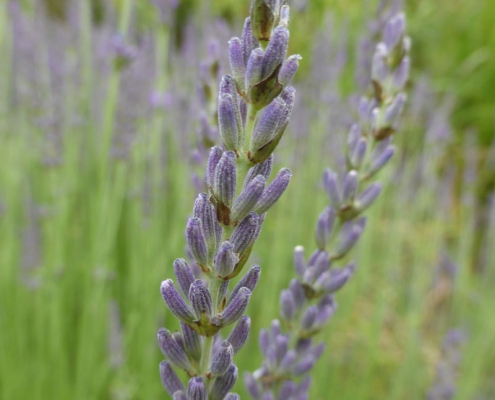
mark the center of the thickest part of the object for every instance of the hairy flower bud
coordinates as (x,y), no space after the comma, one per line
(222,385)
(222,359)
(225,178)
(175,302)
(380,161)
(299,263)
(357,156)
(240,333)
(200,299)
(350,186)
(249,280)
(226,259)
(184,276)
(196,389)
(287,305)
(368,196)
(236,307)
(227,122)
(248,198)
(196,241)
(171,349)
(264,169)
(192,341)
(237,64)
(243,237)
(254,68)
(324,226)
(170,380)
(275,51)
(212,231)
(215,156)
(273,192)
(331,184)
(289,69)
(267,125)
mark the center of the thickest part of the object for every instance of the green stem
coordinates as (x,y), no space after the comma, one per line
(206,355)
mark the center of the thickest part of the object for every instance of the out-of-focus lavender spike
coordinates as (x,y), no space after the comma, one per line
(264,341)
(170,380)
(196,242)
(175,302)
(401,74)
(350,186)
(196,389)
(248,198)
(237,64)
(275,51)
(264,169)
(192,341)
(368,196)
(267,124)
(249,280)
(222,385)
(331,184)
(254,68)
(380,161)
(287,305)
(222,359)
(289,69)
(393,111)
(273,192)
(299,262)
(347,242)
(227,122)
(226,259)
(240,333)
(275,328)
(357,156)
(244,234)
(171,349)
(215,156)
(324,227)
(184,276)
(225,178)
(204,210)
(200,299)
(252,386)
(236,308)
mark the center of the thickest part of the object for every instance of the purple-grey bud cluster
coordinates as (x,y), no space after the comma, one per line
(308,304)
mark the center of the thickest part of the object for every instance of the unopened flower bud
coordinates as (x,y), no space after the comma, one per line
(380,161)
(350,186)
(175,302)
(222,359)
(275,51)
(192,341)
(237,64)
(196,389)
(331,184)
(171,349)
(287,305)
(225,178)
(264,169)
(184,276)
(248,198)
(236,308)
(299,262)
(196,241)
(212,231)
(170,380)
(324,227)
(289,69)
(200,299)
(249,280)
(226,259)
(240,333)
(215,156)
(368,196)
(254,68)
(273,192)
(357,156)
(265,129)
(243,237)
(222,385)
(248,41)
(227,122)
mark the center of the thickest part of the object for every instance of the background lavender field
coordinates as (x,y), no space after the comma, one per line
(105,120)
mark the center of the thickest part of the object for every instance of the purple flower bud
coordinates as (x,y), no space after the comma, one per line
(196,389)
(170,380)
(200,299)
(222,359)
(347,242)
(379,69)
(304,365)
(350,186)
(331,184)
(222,385)
(264,169)
(227,122)
(317,350)
(249,280)
(288,360)
(236,307)
(333,280)
(275,328)
(225,178)
(212,231)
(175,302)
(273,192)
(192,341)
(309,318)
(243,236)
(252,386)
(324,314)
(303,388)
(394,110)
(368,196)
(287,389)
(287,305)
(184,276)
(275,51)
(268,396)
(281,347)
(228,86)
(179,340)
(357,156)
(248,41)
(353,137)
(226,259)
(248,198)
(237,64)
(254,68)
(267,125)
(380,161)
(324,227)
(196,241)
(289,69)
(401,74)
(215,156)
(240,333)
(394,30)
(171,349)
(299,262)
(233,396)
(264,341)
(297,293)
(179,395)
(320,261)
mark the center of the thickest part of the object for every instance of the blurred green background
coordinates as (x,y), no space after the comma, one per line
(95,190)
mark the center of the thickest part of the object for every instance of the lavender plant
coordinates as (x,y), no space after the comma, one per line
(306,306)
(254,107)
